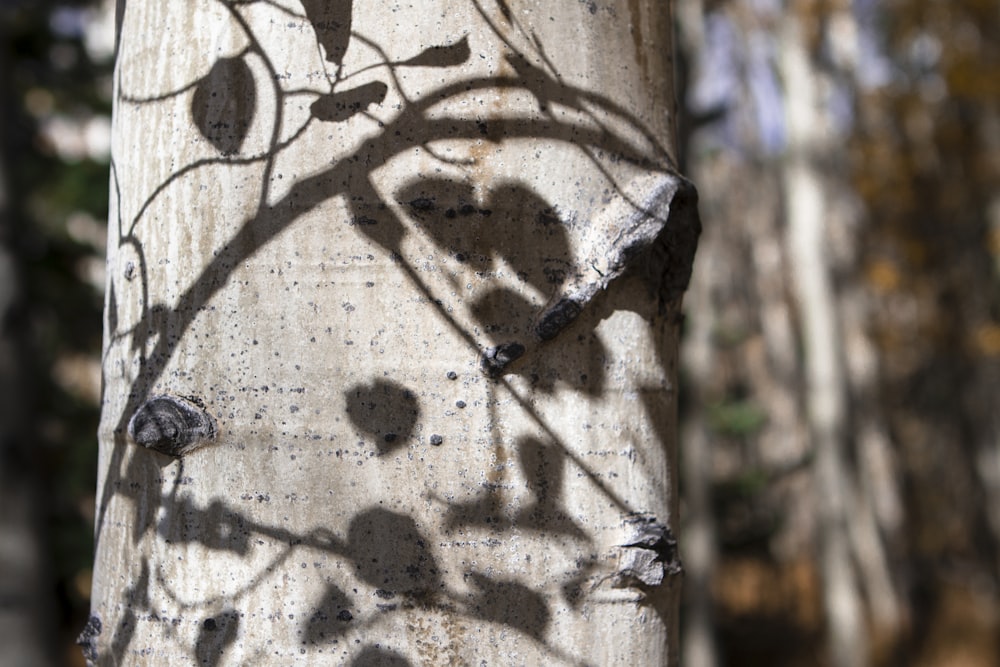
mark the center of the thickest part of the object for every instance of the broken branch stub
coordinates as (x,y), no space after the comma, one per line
(655,232)
(649,555)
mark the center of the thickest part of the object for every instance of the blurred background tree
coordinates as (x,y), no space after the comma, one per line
(842,467)
(55,64)
(841,446)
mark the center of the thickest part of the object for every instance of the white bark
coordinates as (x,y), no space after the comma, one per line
(334,229)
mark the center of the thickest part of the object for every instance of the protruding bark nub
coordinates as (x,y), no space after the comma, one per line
(172,425)
(649,556)
(496,359)
(86,640)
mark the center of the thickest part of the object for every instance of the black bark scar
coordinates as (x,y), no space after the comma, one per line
(171,425)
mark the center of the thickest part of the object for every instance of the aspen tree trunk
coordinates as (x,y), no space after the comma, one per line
(391,329)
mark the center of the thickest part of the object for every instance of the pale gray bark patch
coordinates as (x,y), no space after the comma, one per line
(172,425)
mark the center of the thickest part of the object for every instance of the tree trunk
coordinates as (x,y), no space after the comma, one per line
(806,210)
(391,328)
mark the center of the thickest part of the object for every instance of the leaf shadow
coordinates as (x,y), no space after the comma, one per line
(509,603)
(217,526)
(217,633)
(224,103)
(450,55)
(374,656)
(341,105)
(330,618)
(384,410)
(135,597)
(331,20)
(513,223)
(391,554)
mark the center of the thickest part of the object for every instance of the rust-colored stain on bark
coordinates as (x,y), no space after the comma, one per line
(635,12)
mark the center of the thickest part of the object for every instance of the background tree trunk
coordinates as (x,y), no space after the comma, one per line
(26,623)
(392,316)
(805,209)
(25,633)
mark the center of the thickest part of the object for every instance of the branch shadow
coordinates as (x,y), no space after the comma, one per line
(387,550)
(542,466)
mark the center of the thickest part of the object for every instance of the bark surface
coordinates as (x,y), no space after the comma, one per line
(391,329)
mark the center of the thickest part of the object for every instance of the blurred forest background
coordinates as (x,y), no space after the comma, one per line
(841,424)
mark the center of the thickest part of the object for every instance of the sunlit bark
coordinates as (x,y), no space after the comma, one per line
(391,329)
